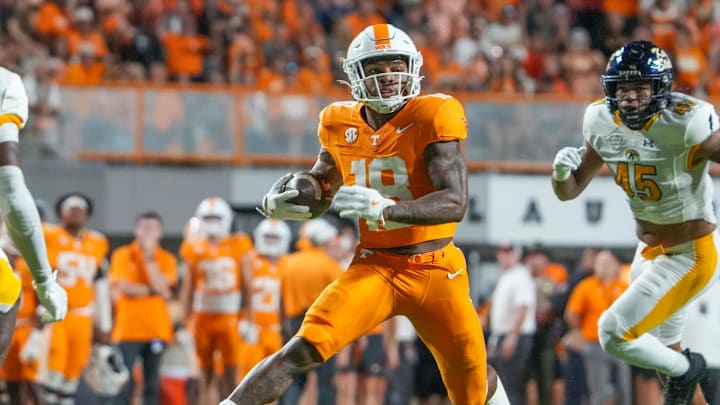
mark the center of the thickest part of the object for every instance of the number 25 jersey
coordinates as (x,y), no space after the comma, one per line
(391,160)
(656,166)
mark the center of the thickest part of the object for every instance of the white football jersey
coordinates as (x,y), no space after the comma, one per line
(13,105)
(653,165)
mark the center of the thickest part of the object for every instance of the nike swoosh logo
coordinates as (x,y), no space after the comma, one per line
(453,275)
(405,128)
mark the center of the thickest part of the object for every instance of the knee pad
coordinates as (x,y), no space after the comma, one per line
(10,286)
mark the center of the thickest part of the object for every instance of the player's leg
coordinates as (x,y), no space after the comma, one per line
(58,353)
(372,370)
(228,344)
(80,343)
(346,375)
(129,351)
(662,284)
(352,305)
(446,321)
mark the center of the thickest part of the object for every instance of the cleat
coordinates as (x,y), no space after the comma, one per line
(681,389)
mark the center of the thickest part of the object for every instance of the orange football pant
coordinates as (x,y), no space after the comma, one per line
(14,369)
(269,342)
(70,344)
(216,332)
(431,289)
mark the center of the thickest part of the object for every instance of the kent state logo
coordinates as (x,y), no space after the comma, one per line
(632,154)
(351,135)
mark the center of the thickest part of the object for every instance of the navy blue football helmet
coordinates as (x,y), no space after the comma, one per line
(638,61)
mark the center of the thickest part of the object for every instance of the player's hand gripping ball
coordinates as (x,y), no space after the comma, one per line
(313,192)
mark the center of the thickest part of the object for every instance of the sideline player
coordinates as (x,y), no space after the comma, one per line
(658,145)
(211,292)
(393,159)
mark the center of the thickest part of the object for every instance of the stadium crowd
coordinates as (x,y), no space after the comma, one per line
(507,46)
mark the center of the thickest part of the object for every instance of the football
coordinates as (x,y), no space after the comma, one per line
(312,193)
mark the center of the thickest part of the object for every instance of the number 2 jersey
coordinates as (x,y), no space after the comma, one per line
(391,160)
(655,165)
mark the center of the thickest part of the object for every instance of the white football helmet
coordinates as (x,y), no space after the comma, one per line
(215,216)
(380,40)
(272,237)
(106,373)
(319,231)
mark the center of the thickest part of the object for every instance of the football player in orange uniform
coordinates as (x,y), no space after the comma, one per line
(261,270)
(211,292)
(393,159)
(80,256)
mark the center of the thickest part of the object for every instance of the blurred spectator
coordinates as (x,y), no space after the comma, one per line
(616,33)
(582,64)
(364,15)
(44,102)
(84,38)
(185,49)
(508,33)
(589,15)
(664,15)
(607,377)
(550,281)
(300,285)
(573,365)
(83,68)
(51,21)
(690,64)
(142,276)
(512,323)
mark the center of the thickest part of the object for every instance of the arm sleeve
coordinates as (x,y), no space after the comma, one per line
(23,222)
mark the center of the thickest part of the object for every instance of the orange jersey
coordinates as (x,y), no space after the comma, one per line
(77,261)
(26,312)
(264,289)
(141,319)
(216,272)
(392,159)
(590,299)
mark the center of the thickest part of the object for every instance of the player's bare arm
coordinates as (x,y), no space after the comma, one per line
(327,172)
(709,149)
(590,165)
(448,172)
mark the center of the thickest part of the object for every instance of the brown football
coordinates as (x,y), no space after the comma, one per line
(312,193)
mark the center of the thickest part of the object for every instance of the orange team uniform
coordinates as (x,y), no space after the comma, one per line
(77,261)
(265,297)
(14,369)
(216,297)
(302,283)
(432,288)
(590,299)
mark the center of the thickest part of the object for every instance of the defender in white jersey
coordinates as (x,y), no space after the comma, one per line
(658,145)
(21,218)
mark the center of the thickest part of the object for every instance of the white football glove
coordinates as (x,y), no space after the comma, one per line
(30,351)
(249,332)
(275,205)
(566,161)
(361,202)
(53,299)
